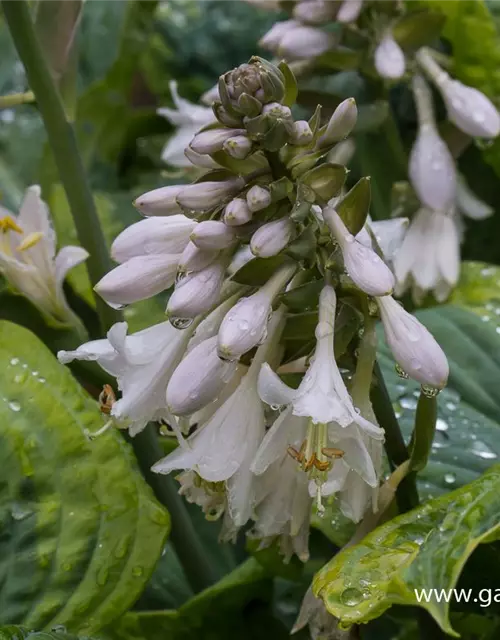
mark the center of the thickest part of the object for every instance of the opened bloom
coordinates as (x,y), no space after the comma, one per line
(189,118)
(28,258)
(142,364)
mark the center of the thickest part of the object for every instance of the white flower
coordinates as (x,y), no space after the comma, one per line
(213,235)
(203,196)
(469,109)
(245,325)
(242,257)
(322,625)
(197,291)
(272,237)
(198,379)
(28,258)
(142,364)
(238,147)
(349,10)
(160,202)
(469,204)
(413,347)
(258,198)
(137,279)
(429,258)
(301,133)
(432,168)
(365,268)
(195,259)
(305,42)
(389,58)
(322,395)
(314,11)
(221,449)
(189,118)
(389,235)
(153,236)
(272,39)
(341,123)
(212,140)
(237,212)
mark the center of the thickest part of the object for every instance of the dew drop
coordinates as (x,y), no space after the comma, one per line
(58,628)
(19,512)
(351,596)
(14,406)
(19,378)
(408,402)
(180,323)
(451,406)
(450,478)
(14,361)
(441,425)
(483,451)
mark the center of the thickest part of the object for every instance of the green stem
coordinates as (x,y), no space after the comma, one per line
(407,494)
(423,431)
(390,132)
(183,536)
(15,99)
(64,147)
(278,169)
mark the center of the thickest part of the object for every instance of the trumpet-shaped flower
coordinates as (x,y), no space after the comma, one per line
(28,258)
(142,364)
(389,58)
(189,118)
(412,345)
(429,258)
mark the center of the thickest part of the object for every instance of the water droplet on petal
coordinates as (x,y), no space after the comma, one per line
(180,323)
(351,596)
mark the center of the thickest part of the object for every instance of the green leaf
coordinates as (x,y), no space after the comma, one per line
(326,180)
(258,271)
(354,207)
(291,88)
(81,530)
(14,632)
(425,548)
(417,28)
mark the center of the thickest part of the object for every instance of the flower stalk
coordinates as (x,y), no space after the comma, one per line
(63,144)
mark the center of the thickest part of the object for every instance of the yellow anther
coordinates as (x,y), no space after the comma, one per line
(7,223)
(30,241)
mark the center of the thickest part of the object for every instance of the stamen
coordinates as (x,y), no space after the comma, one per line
(7,223)
(320,509)
(30,241)
(92,435)
(322,466)
(331,452)
(107,399)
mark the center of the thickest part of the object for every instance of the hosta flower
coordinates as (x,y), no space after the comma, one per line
(389,235)
(197,292)
(203,196)
(160,202)
(237,212)
(469,204)
(469,109)
(301,133)
(153,236)
(221,450)
(213,235)
(341,123)
(272,39)
(238,147)
(349,10)
(314,11)
(429,258)
(294,40)
(389,58)
(195,259)
(365,268)
(28,259)
(189,118)
(212,140)
(272,237)
(142,364)
(245,325)
(198,379)
(412,345)
(258,198)
(432,168)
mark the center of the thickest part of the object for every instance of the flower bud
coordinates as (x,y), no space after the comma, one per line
(314,11)
(432,168)
(195,259)
(139,278)
(197,292)
(413,347)
(210,141)
(213,235)
(349,11)
(277,110)
(153,235)
(272,237)
(200,160)
(342,152)
(301,133)
(238,147)
(198,379)
(469,109)
(204,196)
(365,268)
(245,325)
(258,198)
(341,123)
(389,58)
(305,42)
(237,212)
(160,202)
(272,39)
(242,256)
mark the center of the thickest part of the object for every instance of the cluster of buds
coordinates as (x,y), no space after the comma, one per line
(396,36)
(265,247)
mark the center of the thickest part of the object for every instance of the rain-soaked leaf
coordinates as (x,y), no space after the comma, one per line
(81,530)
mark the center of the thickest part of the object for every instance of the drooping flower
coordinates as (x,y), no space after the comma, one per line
(349,10)
(197,292)
(142,364)
(28,258)
(389,58)
(429,258)
(189,118)
(469,204)
(388,234)
(412,345)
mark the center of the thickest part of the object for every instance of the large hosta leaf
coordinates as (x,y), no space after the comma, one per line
(80,531)
(423,549)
